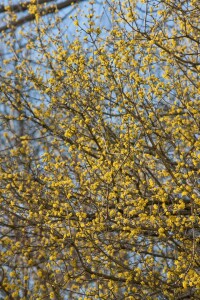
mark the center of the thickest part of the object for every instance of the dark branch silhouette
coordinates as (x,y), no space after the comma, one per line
(23,7)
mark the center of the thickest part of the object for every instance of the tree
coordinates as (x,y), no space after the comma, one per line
(100,193)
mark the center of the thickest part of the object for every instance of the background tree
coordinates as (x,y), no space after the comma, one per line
(100,193)
(17,14)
